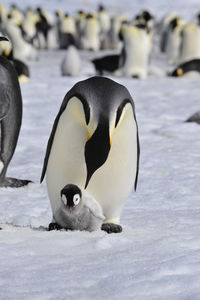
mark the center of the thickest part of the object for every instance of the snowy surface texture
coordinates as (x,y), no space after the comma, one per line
(157,256)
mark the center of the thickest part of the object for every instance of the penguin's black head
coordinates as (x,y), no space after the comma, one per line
(198,17)
(71,195)
(174,23)
(38,9)
(13,6)
(89,16)
(80,12)
(146,15)
(101,8)
(177,72)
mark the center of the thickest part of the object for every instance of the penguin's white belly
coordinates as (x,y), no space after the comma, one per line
(66,161)
(137,58)
(71,64)
(113,182)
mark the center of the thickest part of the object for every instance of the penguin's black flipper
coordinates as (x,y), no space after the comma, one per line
(13,182)
(5,103)
(111,228)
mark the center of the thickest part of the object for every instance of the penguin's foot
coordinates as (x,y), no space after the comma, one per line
(54,226)
(13,182)
(111,228)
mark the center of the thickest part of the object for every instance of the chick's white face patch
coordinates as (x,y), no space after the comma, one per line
(76,199)
(64,199)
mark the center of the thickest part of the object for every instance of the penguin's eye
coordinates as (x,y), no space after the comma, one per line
(64,199)
(76,199)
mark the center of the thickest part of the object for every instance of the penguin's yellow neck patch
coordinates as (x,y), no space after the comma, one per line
(23,78)
(89,136)
(179,72)
(6,52)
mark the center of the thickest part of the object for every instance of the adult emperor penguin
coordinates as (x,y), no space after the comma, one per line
(90,39)
(191,66)
(137,48)
(71,63)
(174,40)
(190,43)
(10,119)
(94,144)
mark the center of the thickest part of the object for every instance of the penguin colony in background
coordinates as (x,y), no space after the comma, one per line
(131,40)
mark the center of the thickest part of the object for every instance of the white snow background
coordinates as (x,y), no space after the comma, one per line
(157,256)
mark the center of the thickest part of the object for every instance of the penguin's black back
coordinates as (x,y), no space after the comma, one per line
(188,66)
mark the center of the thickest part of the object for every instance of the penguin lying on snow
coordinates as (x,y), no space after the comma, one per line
(78,211)
(94,144)
(108,63)
(189,66)
(10,119)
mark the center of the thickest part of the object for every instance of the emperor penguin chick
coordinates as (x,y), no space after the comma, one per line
(71,64)
(78,211)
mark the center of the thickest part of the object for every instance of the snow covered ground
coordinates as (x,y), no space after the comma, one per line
(157,256)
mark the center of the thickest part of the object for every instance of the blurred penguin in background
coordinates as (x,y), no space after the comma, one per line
(16,14)
(106,64)
(29,26)
(190,43)
(136,53)
(144,18)
(43,27)
(90,39)
(188,68)
(116,23)
(3,13)
(20,67)
(21,48)
(58,18)
(198,18)
(67,32)
(165,29)
(71,64)
(80,23)
(174,40)
(104,21)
